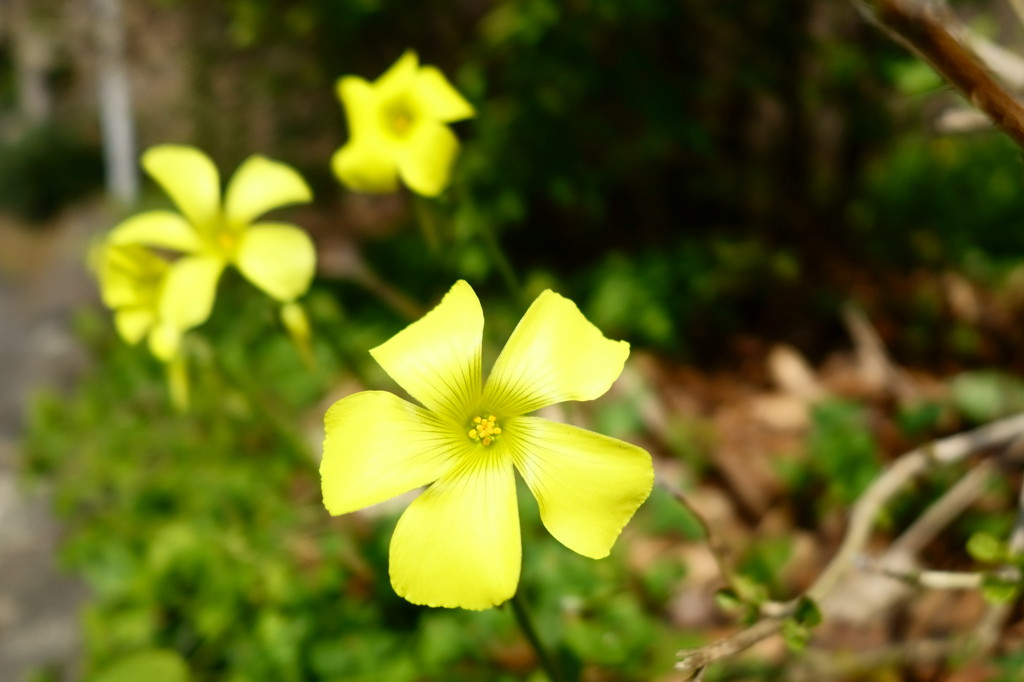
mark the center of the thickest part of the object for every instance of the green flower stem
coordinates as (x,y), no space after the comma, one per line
(258,400)
(526,625)
(498,258)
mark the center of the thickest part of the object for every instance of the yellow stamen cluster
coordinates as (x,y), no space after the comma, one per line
(399,117)
(227,241)
(485,429)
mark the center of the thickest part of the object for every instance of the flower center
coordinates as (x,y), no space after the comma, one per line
(227,241)
(399,118)
(485,429)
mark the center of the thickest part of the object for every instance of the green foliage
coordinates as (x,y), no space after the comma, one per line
(46,169)
(841,451)
(987,548)
(153,665)
(998,590)
(203,536)
(942,201)
(987,395)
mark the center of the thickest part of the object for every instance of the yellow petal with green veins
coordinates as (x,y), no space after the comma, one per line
(437,98)
(190,178)
(425,160)
(189,291)
(555,354)
(278,258)
(162,229)
(377,446)
(587,485)
(437,358)
(458,544)
(260,185)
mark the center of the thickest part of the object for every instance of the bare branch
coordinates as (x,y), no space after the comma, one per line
(929,29)
(944,510)
(865,511)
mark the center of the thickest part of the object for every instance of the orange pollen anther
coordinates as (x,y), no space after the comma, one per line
(485,429)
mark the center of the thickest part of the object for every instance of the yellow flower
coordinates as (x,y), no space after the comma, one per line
(397,129)
(278,258)
(131,284)
(458,543)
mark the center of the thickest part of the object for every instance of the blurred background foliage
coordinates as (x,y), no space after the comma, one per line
(680,167)
(695,175)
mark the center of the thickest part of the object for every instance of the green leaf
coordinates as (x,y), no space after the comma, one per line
(728,600)
(807,612)
(998,591)
(151,665)
(986,548)
(986,395)
(795,635)
(749,591)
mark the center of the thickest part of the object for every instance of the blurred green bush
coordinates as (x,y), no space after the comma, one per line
(204,534)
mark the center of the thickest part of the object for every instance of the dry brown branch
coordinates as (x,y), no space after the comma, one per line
(928,28)
(900,472)
(944,511)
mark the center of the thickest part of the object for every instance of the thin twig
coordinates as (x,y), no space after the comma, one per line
(865,511)
(929,28)
(694,659)
(992,623)
(944,511)
(714,542)
(902,471)
(943,580)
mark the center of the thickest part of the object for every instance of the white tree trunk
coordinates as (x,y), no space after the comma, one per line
(115,107)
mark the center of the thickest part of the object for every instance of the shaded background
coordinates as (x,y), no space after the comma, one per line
(709,181)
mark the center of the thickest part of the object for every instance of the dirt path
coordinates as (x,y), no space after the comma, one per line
(42,280)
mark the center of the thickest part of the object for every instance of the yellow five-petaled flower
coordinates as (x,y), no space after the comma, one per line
(458,543)
(278,258)
(397,128)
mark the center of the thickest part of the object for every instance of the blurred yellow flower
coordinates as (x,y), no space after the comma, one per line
(458,543)
(131,280)
(277,258)
(397,129)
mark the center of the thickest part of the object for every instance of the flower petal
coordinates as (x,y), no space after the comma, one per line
(555,354)
(458,545)
(190,178)
(587,485)
(437,98)
(399,77)
(260,185)
(133,323)
(164,343)
(366,167)
(278,258)
(163,229)
(377,446)
(130,275)
(362,108)
(425,160)
(437,358)
(189,291)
